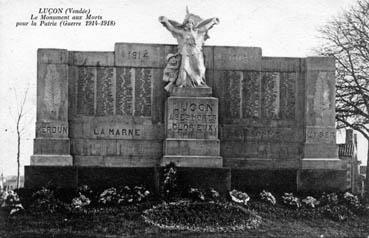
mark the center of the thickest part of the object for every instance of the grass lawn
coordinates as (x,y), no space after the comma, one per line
(277,221)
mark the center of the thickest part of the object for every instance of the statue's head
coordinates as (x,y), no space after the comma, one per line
(191,20)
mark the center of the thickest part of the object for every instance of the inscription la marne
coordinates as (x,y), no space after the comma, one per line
(116,132)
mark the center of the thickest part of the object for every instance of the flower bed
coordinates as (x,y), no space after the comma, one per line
(201,216)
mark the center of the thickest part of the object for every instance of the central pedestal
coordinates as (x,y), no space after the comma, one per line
(191,123)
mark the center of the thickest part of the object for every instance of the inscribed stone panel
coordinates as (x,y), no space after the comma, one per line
(251,95)
(124,91)
(270,95)
(52,92)
(105,91)
(230,86)
(142,91)
(86,91)
(287,95)
(72,90)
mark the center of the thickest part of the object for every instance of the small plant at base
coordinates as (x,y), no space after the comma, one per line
(10,201)
(140,194)
(329,199)
(125,195)
(170,181)
(239,197)
(268,197)
(291,201)
(214,194)
(196,195)
(80,203)
(352,200)
(337,212)
(310,201)
(45,201)
(85,190)
(109,197)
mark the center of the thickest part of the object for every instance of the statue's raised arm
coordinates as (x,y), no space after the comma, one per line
(207,24)
(172,26)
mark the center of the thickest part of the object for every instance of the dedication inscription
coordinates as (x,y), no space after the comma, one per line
(191,118)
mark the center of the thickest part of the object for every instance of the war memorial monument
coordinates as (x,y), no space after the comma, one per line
(226,116)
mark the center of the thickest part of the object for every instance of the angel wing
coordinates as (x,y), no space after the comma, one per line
(205,26)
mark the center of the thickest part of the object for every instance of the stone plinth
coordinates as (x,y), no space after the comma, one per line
(321,169)
(191,124)
(52,143)
(320,149)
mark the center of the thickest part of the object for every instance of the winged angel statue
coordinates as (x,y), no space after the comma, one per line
(186,68)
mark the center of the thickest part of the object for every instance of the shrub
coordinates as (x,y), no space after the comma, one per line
(170,181)
(44,200)
(109,197)
(214,194)
(329,199)
(268,197)
(124,195)
(85,190)
(291,201)
(139,194)
(310,201)
(239,197)
(352,201)
(195,194)
(80,203)
(10,201)
(336,212)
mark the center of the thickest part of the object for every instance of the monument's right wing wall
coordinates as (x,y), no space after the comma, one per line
(260,108)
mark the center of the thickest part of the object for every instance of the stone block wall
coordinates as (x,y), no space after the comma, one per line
(107,108)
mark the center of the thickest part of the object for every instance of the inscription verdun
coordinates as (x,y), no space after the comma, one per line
(51,130)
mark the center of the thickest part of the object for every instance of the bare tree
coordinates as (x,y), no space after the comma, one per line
(346,38)
(20,114)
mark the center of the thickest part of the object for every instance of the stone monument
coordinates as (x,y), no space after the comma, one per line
(228,116)
(191,114)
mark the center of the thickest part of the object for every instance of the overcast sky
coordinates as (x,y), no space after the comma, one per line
(281,28)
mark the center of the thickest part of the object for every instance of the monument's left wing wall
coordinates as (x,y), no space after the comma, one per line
(116,105)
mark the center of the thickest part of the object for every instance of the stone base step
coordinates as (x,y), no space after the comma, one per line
(52,160)
(193,161)
(191,92)
(198,147)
